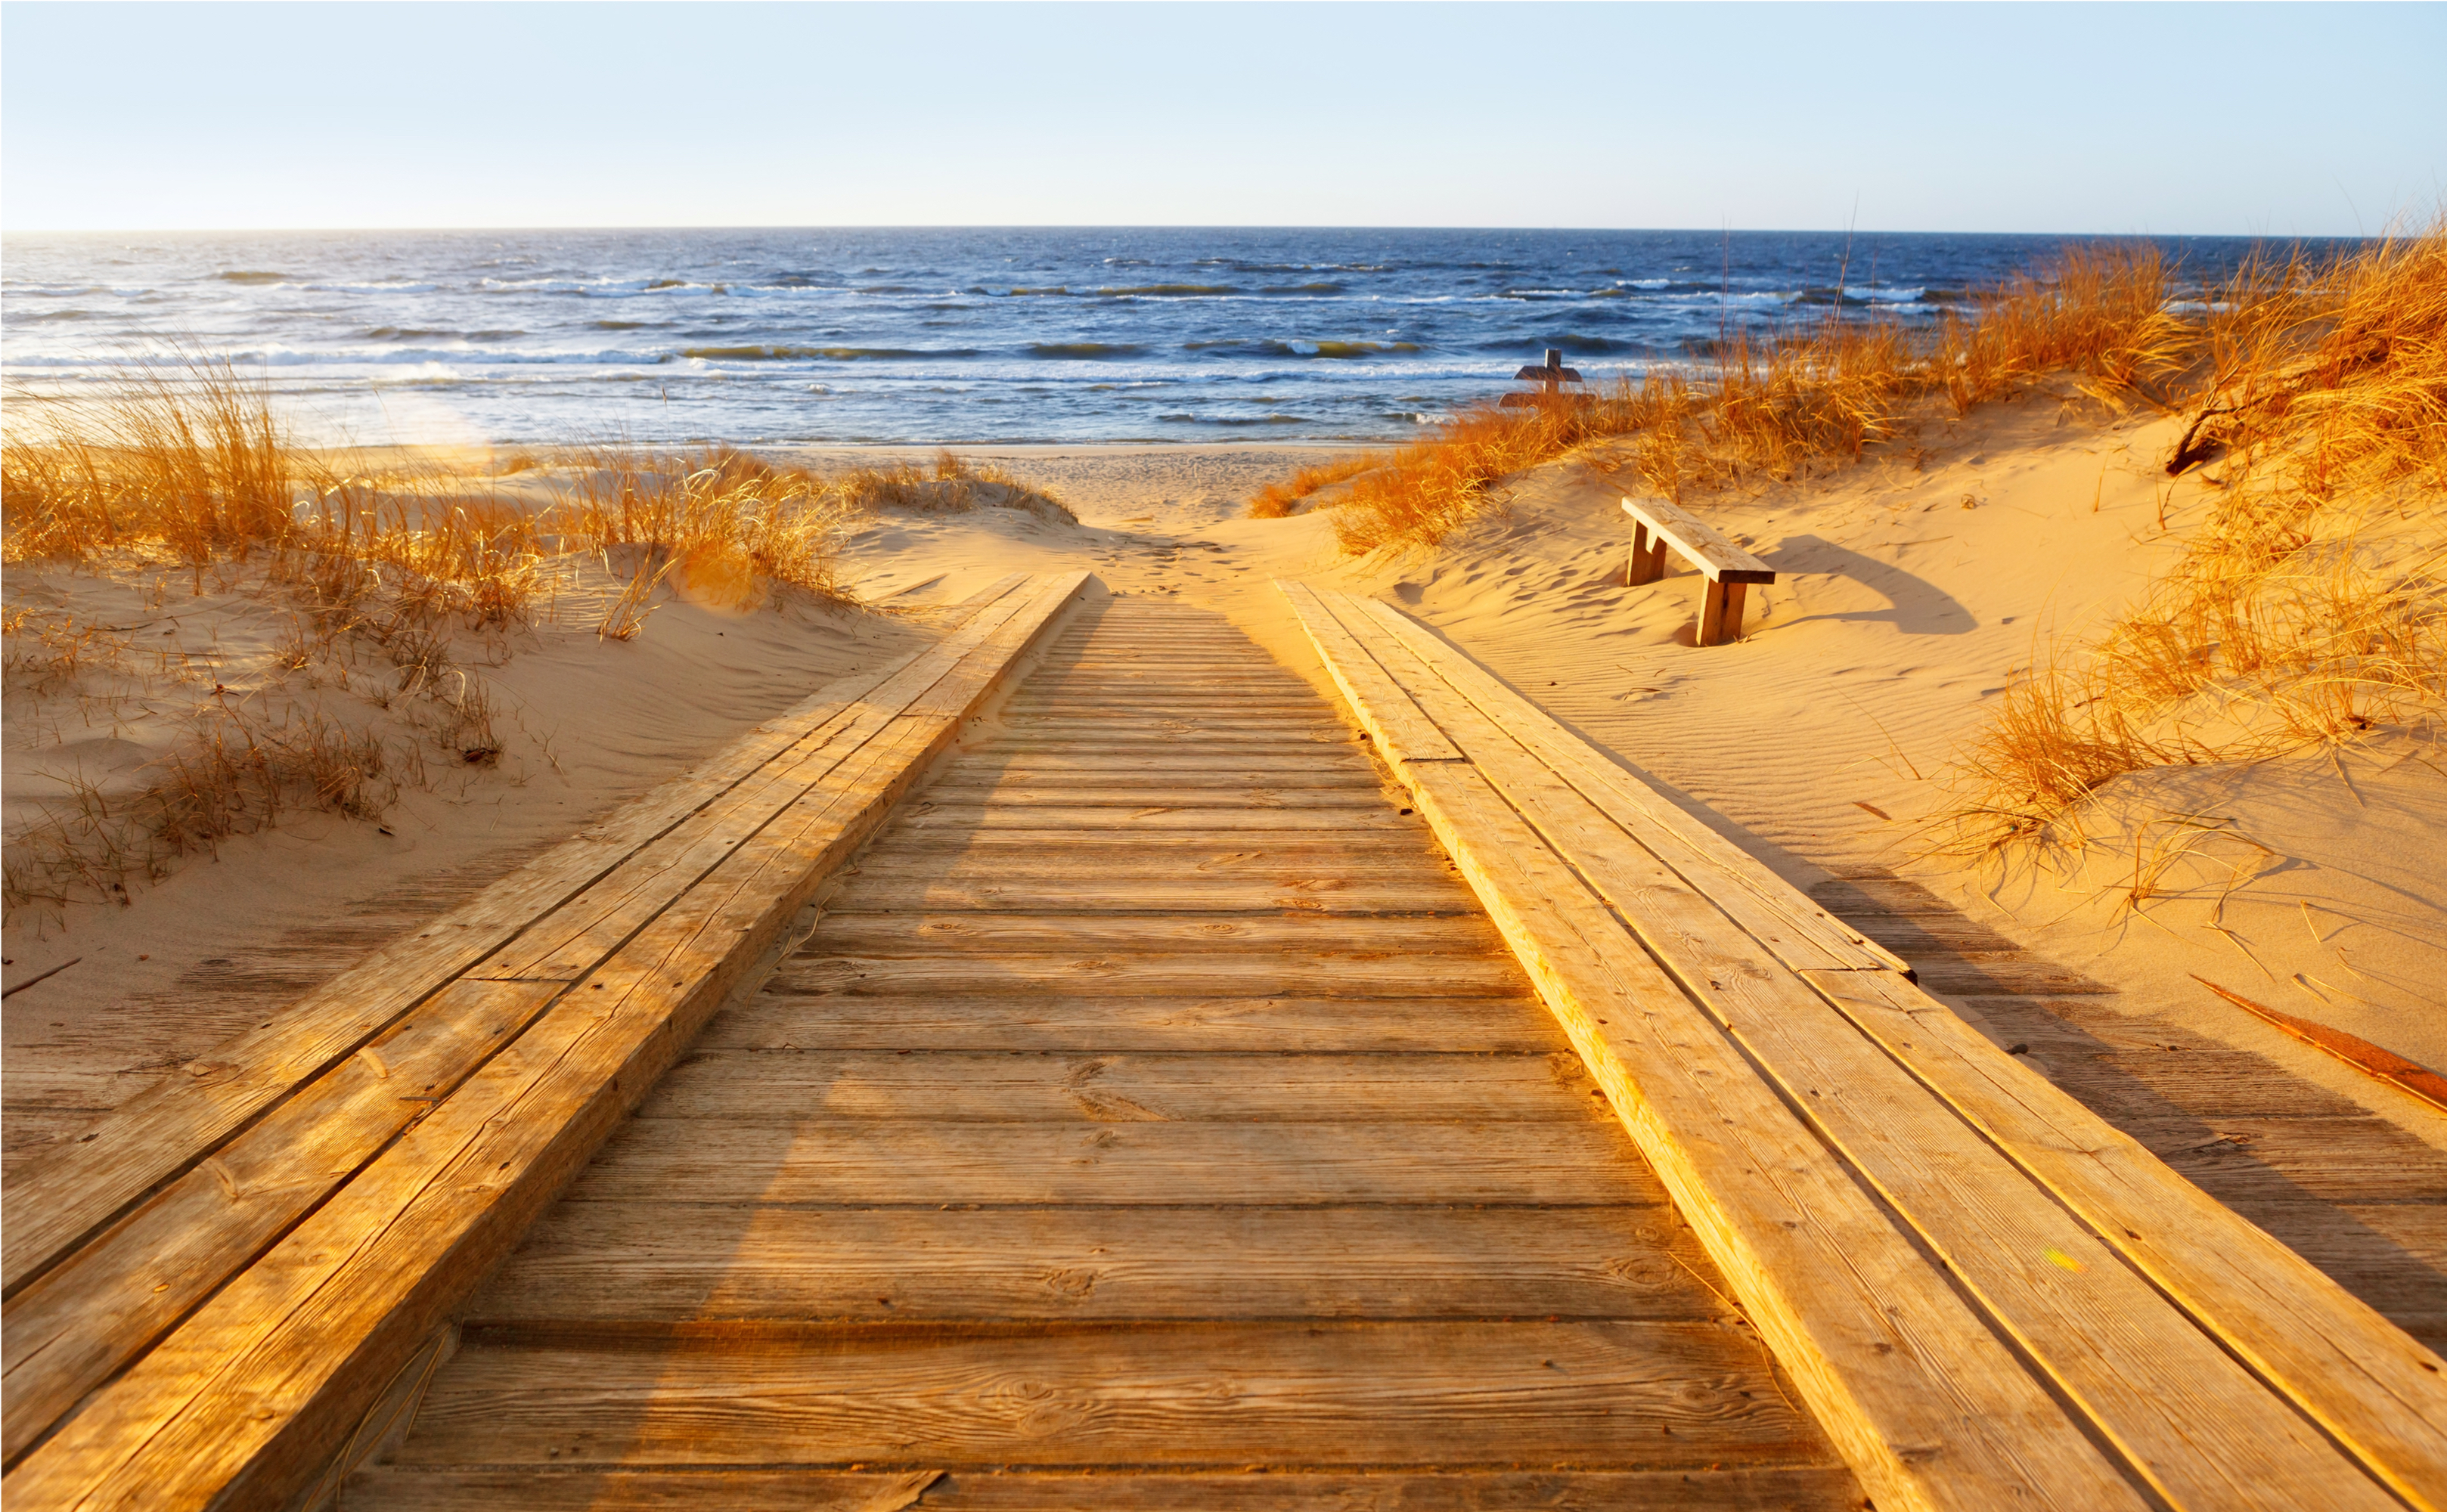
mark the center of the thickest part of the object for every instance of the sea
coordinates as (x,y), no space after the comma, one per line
(871,336)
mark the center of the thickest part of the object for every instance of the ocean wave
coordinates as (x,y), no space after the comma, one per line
(251,275)
(822,353)
(1084,351)
(1268,346)
(1304,289)
(1173,291)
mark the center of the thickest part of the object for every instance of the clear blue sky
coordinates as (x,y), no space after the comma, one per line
(2200,117)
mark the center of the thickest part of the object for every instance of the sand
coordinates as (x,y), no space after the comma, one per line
(1912,584)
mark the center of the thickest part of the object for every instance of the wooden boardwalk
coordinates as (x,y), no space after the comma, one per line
(1191,1095)
(1152,1106)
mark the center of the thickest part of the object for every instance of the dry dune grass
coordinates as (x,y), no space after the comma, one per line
(182,476)
(2310,606)
(183,471)
(1776,406)
(955,485)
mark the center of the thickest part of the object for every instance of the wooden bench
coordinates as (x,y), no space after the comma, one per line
(1656,525)
(1989,1296)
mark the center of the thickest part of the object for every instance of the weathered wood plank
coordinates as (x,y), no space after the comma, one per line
(1423,892)
(2380,1393)
(652,1263)
(1273,1164)
(778,1019)
(1256,796)
(2202,1428)
(1217,852)
(1225,974)
(1120,1087)
(1234,1395)
(1180,815)
(1821,1272)
(952,936)
(1733,1489)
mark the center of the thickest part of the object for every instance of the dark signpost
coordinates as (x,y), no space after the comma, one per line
(1550,379)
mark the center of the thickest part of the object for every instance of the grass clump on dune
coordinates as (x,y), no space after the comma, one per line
(955,485)
(2309,607)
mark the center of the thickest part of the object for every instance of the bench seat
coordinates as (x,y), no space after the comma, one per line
(1656,525)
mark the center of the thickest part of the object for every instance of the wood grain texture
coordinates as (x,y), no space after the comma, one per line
(1778,1489)
(956,936)
(906,1161)
(2378,1390)
(780,1018)
(667,1265)
(1298,1395)
(963,1086)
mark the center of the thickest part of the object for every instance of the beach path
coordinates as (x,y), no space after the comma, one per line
(1154,1105)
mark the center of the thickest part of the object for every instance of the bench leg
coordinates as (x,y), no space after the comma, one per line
(1720,612)
(1647,558)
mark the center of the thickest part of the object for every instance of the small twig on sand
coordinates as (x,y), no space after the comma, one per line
(31,980)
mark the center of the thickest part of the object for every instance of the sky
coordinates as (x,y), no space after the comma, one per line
(2212,118)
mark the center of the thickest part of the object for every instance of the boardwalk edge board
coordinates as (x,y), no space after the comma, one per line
(292,1336)
(1976,1157)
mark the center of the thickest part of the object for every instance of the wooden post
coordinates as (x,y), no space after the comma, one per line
(1647,556)
(1720,612)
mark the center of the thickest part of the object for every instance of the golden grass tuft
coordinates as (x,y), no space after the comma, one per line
(1283,498)
(2309,607)
(724,528)
(956,485)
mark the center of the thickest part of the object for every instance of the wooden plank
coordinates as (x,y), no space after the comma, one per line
(670,1265)
(2381,1393)
(1819,1269)
(1700,543)
(85,1319)
(1225,974)
(779,1019)
(1398,726)
(1203,854)
(960,936)
(1421,893)
(1119,1088)
(1801,932)
(1205,817)
(2202,1428)
(1106,795)
(1734,1489)
(244,1399)
(1156,766)
(1270,1164)
(1308,1394)
(1147,859)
